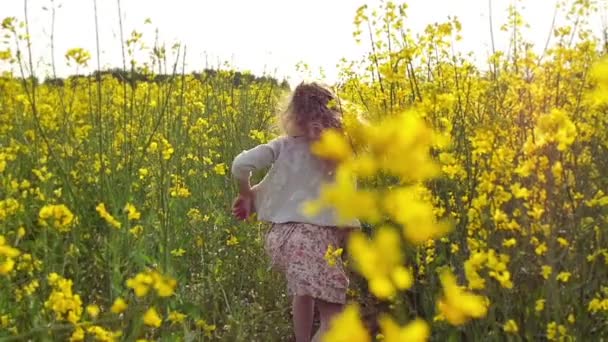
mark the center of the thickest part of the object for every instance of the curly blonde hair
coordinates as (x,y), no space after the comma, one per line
(311,109)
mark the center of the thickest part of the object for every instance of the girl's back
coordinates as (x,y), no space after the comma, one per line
(295,177)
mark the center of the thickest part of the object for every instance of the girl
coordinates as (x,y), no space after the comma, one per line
(297,243)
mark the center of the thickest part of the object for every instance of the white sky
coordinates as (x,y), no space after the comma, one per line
(256,35)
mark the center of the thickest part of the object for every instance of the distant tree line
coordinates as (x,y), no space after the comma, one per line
(133,77)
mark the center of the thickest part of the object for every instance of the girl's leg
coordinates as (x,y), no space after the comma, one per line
(303,312)
(327,311)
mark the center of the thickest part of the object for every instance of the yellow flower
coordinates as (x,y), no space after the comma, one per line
(119,306)
(164,286)
(140,284)
(132,213)
(416,216)
(101,209)
(563,276)
(178,252)
(510,327)
(102,334)
(554,331)
(79,55)
(136,231)
(458,306)
(571,319)
(66,305)
(56,216)
(7,253)
(78,334)
(555,127)
(332,255)
(93,310)
(176,317)
(546,271)
(415,331)
(379,261)
(332,145)
(232,241)
(152,318)
(541,249)
(540,305)
(220,169)
(349,202)
(208,329)
(346,327)
(509,242)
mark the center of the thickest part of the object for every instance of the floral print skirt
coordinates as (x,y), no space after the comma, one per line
(298,251)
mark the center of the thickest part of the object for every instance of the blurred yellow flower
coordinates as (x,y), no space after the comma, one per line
(178,252)
(546,271)
(93,310)
(119,306)
(176,317)
(332,145)
(132,213)
(380,261)
(510,327)
(415,331)
(103,212)
(332,254)
(152,318)
(458,306)
(539,305)
(56,216)
(563,276)
(347,327)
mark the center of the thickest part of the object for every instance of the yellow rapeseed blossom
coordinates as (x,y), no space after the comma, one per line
(332,255)
(103,212)
(348,202)
(93,310)
(539,305)
(56,216)
(7,255)
(119,306)
(563,276)
(78,334)
(416,331)
(597,304)
(380,261)
(232,241)
(141,284)
(472,266)
(556,331)
(152,318)
(333,146)
(176,317)
(132,213)
(555,127)
(102,334)
(208,329)
(458,306)
(65,304)
(571,319)
(178,252)
(546,271)
(144,281)
(347,327)
(508,243)
(417,217)
(220,169)
(510,327)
